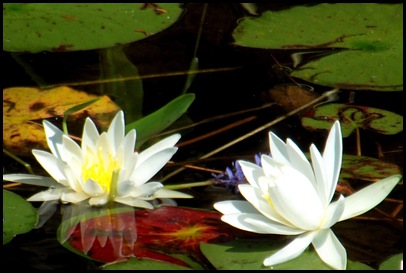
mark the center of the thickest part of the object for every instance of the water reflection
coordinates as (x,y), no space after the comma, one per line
(117,233)
(85,228)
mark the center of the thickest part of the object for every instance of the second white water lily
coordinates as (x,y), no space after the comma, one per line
(288,195)
(104,168)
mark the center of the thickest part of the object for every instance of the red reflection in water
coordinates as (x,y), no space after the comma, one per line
(151,234)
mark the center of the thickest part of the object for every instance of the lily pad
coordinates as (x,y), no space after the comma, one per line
(366,168)
(249,255)
(356,70)
(22,106)
(368,36)
(19,216)
(143,264)
(394,262)
(352,117)
(36,27)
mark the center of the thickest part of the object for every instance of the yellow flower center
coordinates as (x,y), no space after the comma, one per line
(100,169)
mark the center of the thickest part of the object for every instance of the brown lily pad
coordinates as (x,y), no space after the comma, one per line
(352,117)
(366,168)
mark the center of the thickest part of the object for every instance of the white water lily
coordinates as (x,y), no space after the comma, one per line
(104,168)
(288,195)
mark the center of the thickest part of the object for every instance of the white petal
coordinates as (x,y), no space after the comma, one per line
(243,215)
(90,136)
(255,197)
(129,143)
(368,197)
(124,187)
(72,151)
(330,250)
(258,223)
(292,250)
(48,195)
(103,147)
(134,202)
(165,193)
(299,160)
(127,161)
(251,171)
(332,155)
(157,147)
(73,177)
(116,131)
(323,185)
(144,171)
(278,149)
(234,206)
(98,201)
(146,190)
(31,179)
(54,139)
(73,197)
(50,163)
(334,212)
(93,188)
(270,166)
(295,198)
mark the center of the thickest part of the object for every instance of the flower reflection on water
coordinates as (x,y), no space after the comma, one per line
(87,228)
(116,234)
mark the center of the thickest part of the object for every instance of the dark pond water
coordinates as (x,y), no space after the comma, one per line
(244,87)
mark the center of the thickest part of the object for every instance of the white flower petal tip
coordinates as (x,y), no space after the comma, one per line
(368,197)
(103,168)
(289,195)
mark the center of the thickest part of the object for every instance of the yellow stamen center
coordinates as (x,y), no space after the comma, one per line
(100,168)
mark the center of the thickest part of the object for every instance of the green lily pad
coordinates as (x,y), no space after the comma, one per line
(36,27)
(143,264)
(240,255)
(356,70)
(366,168)
(352,117)
(392,263)
(250,254)
(371,34)
(19,216)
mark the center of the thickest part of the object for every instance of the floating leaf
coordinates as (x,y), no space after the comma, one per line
(352,117)
(372,35)
(36,27)
(366,168)
(250,254)
(19,216)
(143,264)
(394,262)
(356,70)
(240,255)
(154,234)
(23,106)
